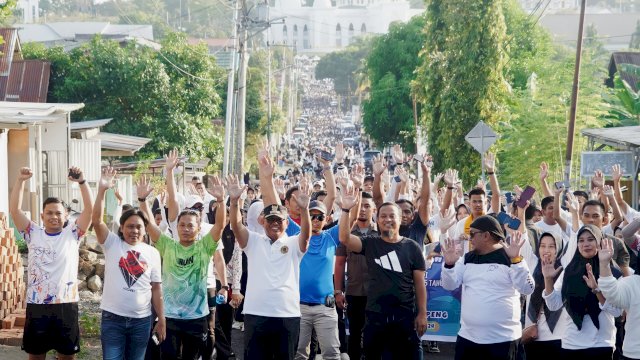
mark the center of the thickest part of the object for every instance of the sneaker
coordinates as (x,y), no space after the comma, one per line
(238,325)
(433,347)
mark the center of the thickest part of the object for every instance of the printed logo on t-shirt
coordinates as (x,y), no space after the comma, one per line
(389,262)
(131,267)
(184,262)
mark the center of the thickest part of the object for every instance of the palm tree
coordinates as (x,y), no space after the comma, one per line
(625,106)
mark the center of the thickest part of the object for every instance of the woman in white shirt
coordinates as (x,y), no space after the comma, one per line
(543,328)
(590,331)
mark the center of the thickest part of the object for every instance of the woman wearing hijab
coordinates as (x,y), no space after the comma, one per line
(543,332)
(590,331)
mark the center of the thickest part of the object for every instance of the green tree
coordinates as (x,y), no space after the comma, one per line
(461,77)
(341,66)
(625,105)
(169,96)
(388,112)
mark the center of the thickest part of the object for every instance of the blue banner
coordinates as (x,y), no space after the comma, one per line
(443,306)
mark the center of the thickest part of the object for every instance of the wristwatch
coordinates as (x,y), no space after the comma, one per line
(224,287)
(338,292)
(596,290)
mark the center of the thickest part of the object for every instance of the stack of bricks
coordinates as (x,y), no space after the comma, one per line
(12,287)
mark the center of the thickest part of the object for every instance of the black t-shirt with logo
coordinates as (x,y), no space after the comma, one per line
(391,265)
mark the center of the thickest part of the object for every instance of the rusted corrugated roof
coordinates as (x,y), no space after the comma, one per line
(624,57)
(7,49)
(28,81)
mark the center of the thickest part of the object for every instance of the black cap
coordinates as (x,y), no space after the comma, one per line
(275,210)
(317,205)
(489,224)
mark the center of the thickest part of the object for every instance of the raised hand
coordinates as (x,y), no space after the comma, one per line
(544,170)
(379,165)
(437,179)
(513,249)
(340,152)
(303,194)
(607,190)
(234,188)
(616,172)
(490,162)
(216,189)
(263,150)
(590,279)
(572,202)
(598,179)
(266,166)
(171,160)
(78,175)
(449,252)
(349,199)
(402,173)
(357,175)
(398,155)
(595,193)
(143,187)
(448,220)
(548,267)
(25,174)
(518,191)
(107,180)
(450,177)
(605,254)
(280,189)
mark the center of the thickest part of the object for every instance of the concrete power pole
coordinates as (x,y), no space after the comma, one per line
(242,91)
(228,125)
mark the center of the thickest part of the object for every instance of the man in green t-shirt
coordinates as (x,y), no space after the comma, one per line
(184,271)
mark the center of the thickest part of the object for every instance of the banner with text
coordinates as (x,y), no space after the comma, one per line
(443,306)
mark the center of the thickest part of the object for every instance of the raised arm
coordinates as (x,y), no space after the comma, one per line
(425,193)
(616,175)
(216,189)
(379,167)
(171,162)
(327,172)
(490,165)
(107,181)
(15,202)
(143,190)
(557,207)
(266,168)
(235,218)
(352,242)
(544,174)
(629,231)
(302,199)
(84,220)
(608,192)
(449,177)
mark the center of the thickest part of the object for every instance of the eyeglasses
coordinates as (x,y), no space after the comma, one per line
(319,217)
(274,219)
(473,233)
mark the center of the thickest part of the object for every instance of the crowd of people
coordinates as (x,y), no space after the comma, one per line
(292,258)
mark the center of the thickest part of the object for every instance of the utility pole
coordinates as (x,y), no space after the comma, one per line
(574,95)
(228,126)
(242,93)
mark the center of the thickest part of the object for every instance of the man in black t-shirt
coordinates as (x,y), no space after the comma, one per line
(396,284)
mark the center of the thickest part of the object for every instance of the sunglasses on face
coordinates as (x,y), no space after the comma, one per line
(272,220)
(319,217)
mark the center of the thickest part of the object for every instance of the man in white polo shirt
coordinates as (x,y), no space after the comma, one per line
(272,302)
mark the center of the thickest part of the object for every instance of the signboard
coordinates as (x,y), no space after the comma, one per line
(481,137)
(443,306)
(604,160)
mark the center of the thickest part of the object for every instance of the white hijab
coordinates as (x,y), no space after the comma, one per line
(252,217)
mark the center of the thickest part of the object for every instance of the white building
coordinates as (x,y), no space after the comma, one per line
(30,10)
(324,28)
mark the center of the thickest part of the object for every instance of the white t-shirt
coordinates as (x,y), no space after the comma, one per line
(129,272)
(52,265)
(273,284)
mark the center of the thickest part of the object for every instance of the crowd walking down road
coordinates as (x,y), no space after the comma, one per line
(328,254)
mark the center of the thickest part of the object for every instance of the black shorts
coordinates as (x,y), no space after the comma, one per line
(51,326)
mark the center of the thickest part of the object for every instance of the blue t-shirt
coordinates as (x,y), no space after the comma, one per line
(293,229)
(316,268)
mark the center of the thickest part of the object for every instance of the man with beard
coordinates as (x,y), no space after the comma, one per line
(396,284)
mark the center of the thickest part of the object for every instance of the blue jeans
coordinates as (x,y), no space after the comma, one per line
(124,337)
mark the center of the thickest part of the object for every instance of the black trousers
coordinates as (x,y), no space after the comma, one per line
(543,350)
(468,350)
(356,314)
(270,338)
(185,339)
(599,353)
(391,337)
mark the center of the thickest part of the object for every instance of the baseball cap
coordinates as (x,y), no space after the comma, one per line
(275,210)
(317,205)
(191,200)
(489,224)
